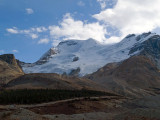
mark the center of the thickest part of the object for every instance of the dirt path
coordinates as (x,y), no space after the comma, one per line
(2,107)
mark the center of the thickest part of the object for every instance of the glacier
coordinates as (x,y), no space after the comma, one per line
(86,55)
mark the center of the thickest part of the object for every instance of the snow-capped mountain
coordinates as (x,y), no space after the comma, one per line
(85,56)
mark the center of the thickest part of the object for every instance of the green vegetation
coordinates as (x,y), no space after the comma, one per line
(28,96)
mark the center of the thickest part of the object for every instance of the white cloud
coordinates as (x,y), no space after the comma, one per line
(32,32)
(132,16)
(29,11)
(12,30)
(34,36)
(41,29)
(81,3)
(15,51)
(76,29)
(43,41)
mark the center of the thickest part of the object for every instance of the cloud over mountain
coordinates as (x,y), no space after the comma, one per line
(76,29)
(132,16)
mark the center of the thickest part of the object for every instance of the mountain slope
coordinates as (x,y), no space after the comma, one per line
(85,56)
(136,76)
(52,81)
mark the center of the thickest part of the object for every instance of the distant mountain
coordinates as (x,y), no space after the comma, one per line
(9,68)
(81,57)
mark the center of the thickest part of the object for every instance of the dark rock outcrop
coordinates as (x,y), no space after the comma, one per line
(9,68)
(75,72)
(75,59)
(149,48)
(45,57)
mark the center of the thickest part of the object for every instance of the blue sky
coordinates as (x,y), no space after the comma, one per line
(46,12)
(28,28)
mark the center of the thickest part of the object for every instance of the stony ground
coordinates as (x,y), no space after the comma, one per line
(105,108)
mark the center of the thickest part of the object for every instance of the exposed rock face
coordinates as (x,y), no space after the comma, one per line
(46,56)
(44,59)
(69,43)
(149,48)
(133,77)
(130,35)
(75,72)
(9,68)
(75,59)
(9,58)
(144,35)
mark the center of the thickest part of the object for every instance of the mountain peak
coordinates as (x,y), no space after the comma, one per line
(75,42)
(68,42)
(130,35)
(87,56)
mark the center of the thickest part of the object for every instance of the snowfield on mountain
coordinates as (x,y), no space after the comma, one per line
(83,57)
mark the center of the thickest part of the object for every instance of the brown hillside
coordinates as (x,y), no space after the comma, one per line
(52,81)
(9,69)
(134,76)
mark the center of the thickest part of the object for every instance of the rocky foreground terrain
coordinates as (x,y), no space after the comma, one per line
(103,108)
